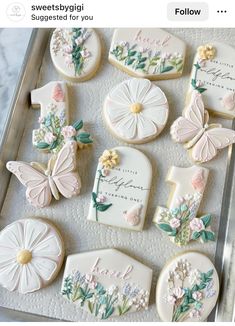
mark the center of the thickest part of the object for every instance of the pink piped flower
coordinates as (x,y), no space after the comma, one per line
(68,49)
(105,172)
(41,120)
(171,299)
(85,54)
(198,181)
(195,314)
(90,280)
(68,59)
(197,295)
(49,138)
(196,225)
(228,101)
(174,223)
(58,94)
(101,199)
(178,292)
(68,132)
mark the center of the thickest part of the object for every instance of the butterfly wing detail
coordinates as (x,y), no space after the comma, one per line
(211,141)
(187,127)
(64,173)
(38,191)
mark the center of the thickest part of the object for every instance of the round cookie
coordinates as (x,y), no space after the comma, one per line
(187,288)
(136,110)
(31,255)
(75,52)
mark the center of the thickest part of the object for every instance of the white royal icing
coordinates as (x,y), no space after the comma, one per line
(121,189)
(111,282)
(213,74)
(75,52)
(147,52)
(136,110)
(31,255)
(187,288)
(54,129)
(179,220)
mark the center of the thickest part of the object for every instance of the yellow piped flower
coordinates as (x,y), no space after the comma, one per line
(206,52)
(109,159)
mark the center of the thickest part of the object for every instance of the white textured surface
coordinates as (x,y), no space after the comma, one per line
(150,246)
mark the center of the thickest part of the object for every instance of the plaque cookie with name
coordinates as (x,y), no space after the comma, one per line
(121,189)
(147,52)
(106,283)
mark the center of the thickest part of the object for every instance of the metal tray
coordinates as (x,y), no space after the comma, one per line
(9,146)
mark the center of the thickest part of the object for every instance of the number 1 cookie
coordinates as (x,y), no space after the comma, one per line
(187,288)
(147,52)
(179,220)
(75,52)
(121,189)
(54,129)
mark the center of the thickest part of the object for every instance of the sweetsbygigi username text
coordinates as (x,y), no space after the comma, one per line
(59,7)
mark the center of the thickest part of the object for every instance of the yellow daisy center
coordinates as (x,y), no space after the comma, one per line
(136,107)
(24,257)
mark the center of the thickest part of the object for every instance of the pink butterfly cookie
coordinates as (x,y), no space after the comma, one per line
(202,139)
(60,176)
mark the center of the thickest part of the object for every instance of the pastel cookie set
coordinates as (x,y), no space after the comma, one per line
(107,283)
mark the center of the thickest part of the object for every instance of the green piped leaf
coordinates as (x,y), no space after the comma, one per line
(165,227)
(206,220)
(196,235)
(166,69)
(42,145)
(78,125)
(102,207)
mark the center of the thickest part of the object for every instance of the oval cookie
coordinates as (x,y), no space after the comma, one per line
(31,255)
(75,52)
(187,288)
(136,110)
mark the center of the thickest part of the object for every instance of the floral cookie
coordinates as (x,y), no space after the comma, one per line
(201,139)
(32,252)
(187,288)
(54,129)
(213,74)
(106,283)
(121,189)
(60,176)
(75,52)
(179,221)
(148,52)
(136,110)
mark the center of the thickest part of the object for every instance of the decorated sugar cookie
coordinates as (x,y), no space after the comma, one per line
(42,183)
(75,52)
(136,110)
(106,283)
(203,140)
(213,74)
(179,220)
(54,129)
(187,288)
(32,252)
(147,52)
(121,189)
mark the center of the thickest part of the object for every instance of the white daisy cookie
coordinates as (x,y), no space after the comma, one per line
(136,110)
(31,255)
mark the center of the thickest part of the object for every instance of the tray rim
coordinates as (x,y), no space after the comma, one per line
(225,233)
